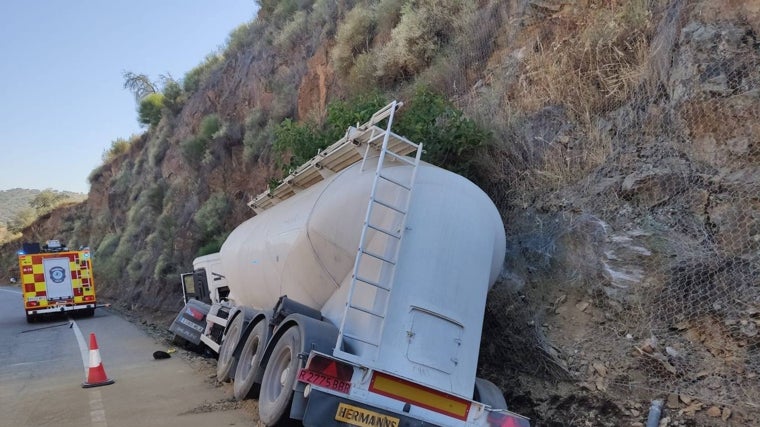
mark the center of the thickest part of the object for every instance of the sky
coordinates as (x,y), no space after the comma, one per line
(62,96)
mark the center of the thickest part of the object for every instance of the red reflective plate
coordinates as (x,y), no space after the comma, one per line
(323,380)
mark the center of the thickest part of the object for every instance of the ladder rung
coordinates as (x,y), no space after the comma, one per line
(372,139)
(366,310)
(389,179)
(401,158)
(371,283)
(403,140)
(389,206)
(355,338)
(384,231)
(380,257)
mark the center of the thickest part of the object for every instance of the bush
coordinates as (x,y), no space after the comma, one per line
(353,38)
(450,140)
(119,146)
(425,26)
(194,149)
(210,217)
(296,143)
(149,111)
(257,134)
(292,34)
(196,76)
(174,96)
(210,125)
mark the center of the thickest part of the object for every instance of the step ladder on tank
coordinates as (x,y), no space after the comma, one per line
(361,328)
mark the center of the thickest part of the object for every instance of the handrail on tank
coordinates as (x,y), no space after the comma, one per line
(336,157)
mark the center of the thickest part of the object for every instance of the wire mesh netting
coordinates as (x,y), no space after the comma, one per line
(629,178)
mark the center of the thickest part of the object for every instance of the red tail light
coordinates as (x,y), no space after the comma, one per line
(501,419)
(195,313)
(331,368)
(88,298)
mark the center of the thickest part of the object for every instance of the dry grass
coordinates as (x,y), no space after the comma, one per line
(581,72)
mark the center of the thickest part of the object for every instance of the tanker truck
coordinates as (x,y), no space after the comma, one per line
(356,294)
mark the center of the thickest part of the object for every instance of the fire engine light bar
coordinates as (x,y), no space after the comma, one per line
(418,395)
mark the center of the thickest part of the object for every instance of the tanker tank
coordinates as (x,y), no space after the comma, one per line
(305,246)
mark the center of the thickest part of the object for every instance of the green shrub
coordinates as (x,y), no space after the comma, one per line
(149,111)
(450,140)
(210,125)
(213,246)
(194,148)
(174,96)
(353,38)
(342,114)
(210,216)
(293,32)
(157,149)
(257,134)
(425,26)
(240,38)
(295,143)
(119,146)
(196,76)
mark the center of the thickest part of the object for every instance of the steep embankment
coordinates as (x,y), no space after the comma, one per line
(624,159)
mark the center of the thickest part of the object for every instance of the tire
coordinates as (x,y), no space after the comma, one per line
(248,371)
(227,350)
(488,393)
(31,318)
(276,391)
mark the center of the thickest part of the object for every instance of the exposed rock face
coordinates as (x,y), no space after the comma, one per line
(640,271)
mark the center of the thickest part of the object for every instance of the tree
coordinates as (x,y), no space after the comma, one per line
(149,112)
(140,85)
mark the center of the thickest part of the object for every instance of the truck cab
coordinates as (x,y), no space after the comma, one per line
(205,286)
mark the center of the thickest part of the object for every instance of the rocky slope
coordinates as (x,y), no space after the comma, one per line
(625,161)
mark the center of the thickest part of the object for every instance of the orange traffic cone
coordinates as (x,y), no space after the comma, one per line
(96,375)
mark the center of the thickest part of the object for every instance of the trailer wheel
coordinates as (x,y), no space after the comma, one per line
(488,393)
(248,370)
(226,352)
(279,378)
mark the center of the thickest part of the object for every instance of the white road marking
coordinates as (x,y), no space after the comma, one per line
(11,291)
(82,347)
(97,411)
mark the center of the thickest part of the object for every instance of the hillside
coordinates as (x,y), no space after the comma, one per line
(19,207)
(619,140)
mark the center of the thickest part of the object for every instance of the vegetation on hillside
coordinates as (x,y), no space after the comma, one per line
(580,120)
(21,207)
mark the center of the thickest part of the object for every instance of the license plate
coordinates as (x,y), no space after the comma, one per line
(190,324)
(323,380)
(364,418)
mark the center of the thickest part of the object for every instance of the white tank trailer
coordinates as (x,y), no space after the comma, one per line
(360,299)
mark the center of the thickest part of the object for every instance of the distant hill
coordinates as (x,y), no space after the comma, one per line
(16,200)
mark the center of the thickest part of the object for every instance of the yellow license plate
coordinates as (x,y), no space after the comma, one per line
(364,418)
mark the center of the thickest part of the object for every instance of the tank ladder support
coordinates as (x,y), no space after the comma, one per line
(390,242)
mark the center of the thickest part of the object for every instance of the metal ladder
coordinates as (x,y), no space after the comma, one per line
(390,242)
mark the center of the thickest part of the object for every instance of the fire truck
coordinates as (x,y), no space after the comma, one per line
(55,279)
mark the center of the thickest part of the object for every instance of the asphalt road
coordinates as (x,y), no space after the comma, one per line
(42,371)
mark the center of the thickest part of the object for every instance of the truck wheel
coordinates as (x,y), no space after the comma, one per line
(279,378)
(248,369)
(226,352)
(30,318)
(488,393)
